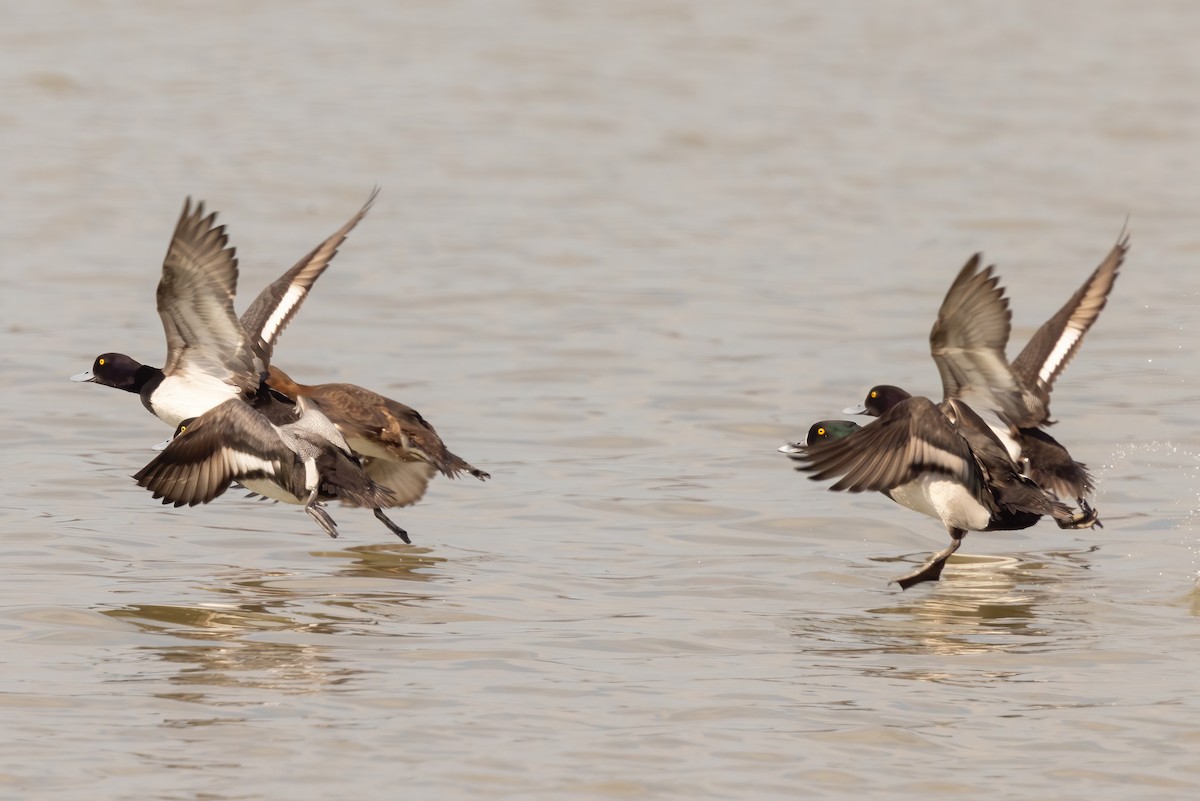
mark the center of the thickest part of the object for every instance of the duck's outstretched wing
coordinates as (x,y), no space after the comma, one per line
(968,342)
(910,439)
(205,341)
(1052,347)
(231,442)
(269,314)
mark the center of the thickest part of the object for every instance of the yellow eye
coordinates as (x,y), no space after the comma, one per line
(100,362)
(820,432)
(874,394)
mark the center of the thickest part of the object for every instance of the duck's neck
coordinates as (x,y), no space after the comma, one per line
(145,380)
(282,382)
(141,377)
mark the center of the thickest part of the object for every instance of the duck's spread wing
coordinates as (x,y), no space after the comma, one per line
(911,438)
(969,338)
(266,318)
(1055,343)
(195,302)
(231,442)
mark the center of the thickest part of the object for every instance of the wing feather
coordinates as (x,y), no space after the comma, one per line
(1055,343)
(269,314)
(195,302)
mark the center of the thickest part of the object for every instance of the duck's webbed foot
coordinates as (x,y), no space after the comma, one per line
(317,512)
(932,569)
(399,532)
(1087,517)
(322,517)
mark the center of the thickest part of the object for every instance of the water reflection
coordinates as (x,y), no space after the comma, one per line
(285,667)
(245,636)
(381,576)
(1193,601)
(386,560)
(984,605)
(236,661)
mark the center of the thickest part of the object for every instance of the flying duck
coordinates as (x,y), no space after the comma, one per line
(211,355)
(941,460)
(968,342)
(287,452)
(399,448)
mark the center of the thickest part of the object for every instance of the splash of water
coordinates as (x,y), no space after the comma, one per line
(1159,464)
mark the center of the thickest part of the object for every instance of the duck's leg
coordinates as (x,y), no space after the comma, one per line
(932,569)
(318,513)
(1087,517)
(399,532)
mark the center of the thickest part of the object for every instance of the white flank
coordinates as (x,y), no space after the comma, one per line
(1002,431)
(945,500)
(180,397)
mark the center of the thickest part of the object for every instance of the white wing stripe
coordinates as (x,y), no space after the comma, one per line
(1061,349)
(290,300)
(242,463)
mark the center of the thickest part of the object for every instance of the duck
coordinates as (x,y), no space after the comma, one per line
(212,356)
(399,448)
(968,342)
(283,450)
(216,361)
(823,431)
(942,460)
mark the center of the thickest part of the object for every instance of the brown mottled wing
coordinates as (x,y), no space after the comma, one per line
(231,442)
(399,430)
(1052,347)
(412,433)
(911,438)
(195,302)
(266,318)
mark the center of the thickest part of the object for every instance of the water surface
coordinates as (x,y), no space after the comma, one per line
(622,252)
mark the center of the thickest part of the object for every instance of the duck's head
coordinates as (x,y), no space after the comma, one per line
(822,431)
(879,399)
(182,428)
(113,370)
(826,430)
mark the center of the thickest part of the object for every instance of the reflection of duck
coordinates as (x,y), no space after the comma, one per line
(968,342)
(938,459)
(386,561)
(994,605)
(261,664)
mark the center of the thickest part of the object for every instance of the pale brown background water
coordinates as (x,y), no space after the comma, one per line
(623,251)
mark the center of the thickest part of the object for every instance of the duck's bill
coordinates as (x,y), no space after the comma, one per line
(162,446)
(792,447)
(858,408)
(86,375)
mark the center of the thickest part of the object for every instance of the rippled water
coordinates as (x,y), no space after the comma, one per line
(623,251)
